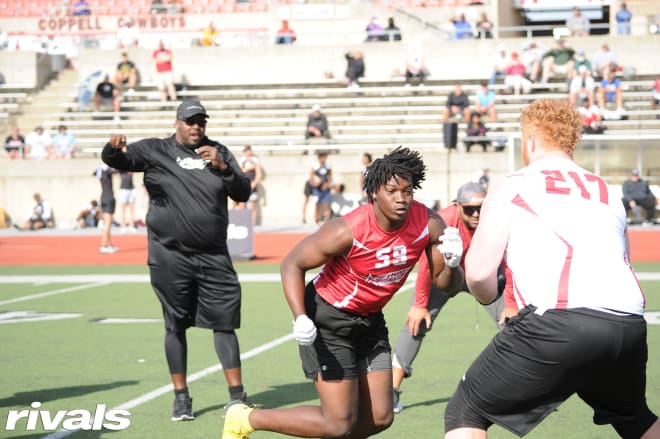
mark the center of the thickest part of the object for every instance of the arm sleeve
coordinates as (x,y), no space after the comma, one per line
(422,284)
(133,160)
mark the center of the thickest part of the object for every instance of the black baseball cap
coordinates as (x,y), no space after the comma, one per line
(188,109)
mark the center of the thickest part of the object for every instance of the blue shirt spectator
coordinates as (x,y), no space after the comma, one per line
(623,18)
(81,7)
(462,28)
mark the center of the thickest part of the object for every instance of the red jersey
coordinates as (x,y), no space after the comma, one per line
(163,60)
(378,263)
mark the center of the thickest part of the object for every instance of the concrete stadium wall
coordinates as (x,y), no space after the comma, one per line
(69,185)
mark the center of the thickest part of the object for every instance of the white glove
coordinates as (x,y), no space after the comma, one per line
(451,247)
(304,330)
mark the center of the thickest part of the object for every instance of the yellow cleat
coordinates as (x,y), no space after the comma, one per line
(237,424)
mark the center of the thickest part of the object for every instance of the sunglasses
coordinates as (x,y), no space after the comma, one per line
(469,210)
(199,121)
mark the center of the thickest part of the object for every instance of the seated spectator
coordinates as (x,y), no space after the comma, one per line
(458,105)
(604,61)
(80,7)
(655,96)
(462,28)
(285,35)
(40,215)
(90,216)
(558,61)
(476,128)
(317,124)
(63,143)
(485,102)
(579,60)
(415,67)
(515,76)
(209,35)
(636,194)
(355,68)
(623,17)
(375,31)
(484,26)
(532,58)
(107,94)
(610,92)
(38,145)
(126,73)
(392,32)
(578,24)
(5,219)
(582,87)
(128,34)
(15,144)
(591,118)
(500,63)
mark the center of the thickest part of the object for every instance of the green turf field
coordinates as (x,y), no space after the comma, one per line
(75,362)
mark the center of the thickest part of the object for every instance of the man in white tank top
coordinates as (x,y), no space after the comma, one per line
(581,327)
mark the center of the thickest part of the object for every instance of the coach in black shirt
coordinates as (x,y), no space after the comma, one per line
(189,177)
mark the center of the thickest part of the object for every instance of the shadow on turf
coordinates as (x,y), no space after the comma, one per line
(425,403)
(45,395)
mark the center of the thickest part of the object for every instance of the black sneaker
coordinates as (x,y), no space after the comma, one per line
(182,408)
(242,397)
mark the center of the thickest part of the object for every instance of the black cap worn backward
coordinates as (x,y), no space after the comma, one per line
(188,109)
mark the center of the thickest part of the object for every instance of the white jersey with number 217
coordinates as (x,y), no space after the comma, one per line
(567,246)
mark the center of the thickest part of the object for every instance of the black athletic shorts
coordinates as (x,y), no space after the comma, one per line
(536,362)
(346,344)
(108,205)
(195,289)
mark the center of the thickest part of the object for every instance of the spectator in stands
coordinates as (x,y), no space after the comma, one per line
(285,35)
(251,167)
(63,143)
(80,7)
(209,35)
(484,178)
(126,73)
(320,178)
(580,59)
(415,67)
(462,28)
(107,94)
(578,24)
(458,105)
(90,216)
(636,194)
(485,102)
(582,87)
(128,34)
(604,61)
(15,144)
(5,219)
(484,26)
(610,92)
(475,128)
(355,68)
(515,75)
(40,216)
(623,17)
(655,96)
(558,60)
(163,59)
(500,63)
(317,124)
(590,117)
(375,31)
(38,144)
(532,58)
(392,32)
(654,29)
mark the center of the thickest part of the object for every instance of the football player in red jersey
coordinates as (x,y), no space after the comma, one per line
(366,257)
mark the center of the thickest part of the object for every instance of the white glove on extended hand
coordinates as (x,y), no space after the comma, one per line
(304,330)
(451,247)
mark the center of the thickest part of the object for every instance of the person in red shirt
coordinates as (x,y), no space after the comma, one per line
(339,324)
(464,215)
(163,59)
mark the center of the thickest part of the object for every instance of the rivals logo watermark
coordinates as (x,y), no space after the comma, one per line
(77,419)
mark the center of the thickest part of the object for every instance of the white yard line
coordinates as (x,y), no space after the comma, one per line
(52,293)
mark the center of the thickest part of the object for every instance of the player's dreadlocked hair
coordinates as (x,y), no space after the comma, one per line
(401,162)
